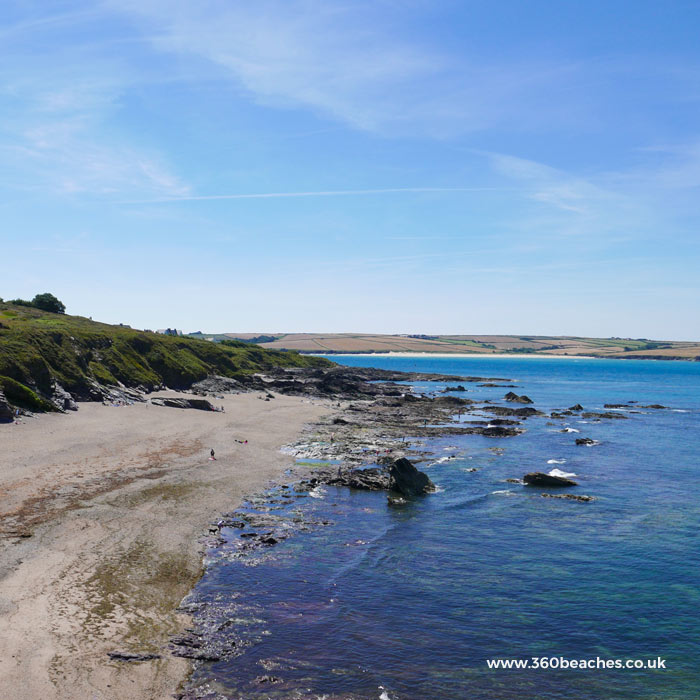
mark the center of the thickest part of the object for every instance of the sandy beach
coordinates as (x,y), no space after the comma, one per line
(101,516)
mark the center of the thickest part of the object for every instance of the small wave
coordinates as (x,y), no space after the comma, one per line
(503,492)
(442,460)
(563,475)
(570,430)
(556,461)
(317,492)
(679,410)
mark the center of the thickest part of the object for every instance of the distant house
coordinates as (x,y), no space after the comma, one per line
(169,331)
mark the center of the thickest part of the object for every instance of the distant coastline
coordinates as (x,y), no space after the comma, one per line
(461,345)
(372,353)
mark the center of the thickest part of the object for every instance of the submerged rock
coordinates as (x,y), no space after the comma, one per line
(569,497)
(500,431)
(576,407)
(406,479)
(394,500)
(612,416)
(542,479)
(586,441)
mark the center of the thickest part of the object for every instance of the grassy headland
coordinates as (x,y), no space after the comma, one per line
(39,349)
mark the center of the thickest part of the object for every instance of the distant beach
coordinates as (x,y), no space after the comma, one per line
(479,355)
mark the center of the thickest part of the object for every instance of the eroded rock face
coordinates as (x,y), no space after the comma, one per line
(407,480)
(542,479)
(6,412)
(62,399)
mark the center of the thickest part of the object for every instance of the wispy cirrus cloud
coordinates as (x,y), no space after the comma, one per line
(347,62)
(318,193)
(59,100)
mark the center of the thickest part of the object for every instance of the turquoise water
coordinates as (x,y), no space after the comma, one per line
(411,602)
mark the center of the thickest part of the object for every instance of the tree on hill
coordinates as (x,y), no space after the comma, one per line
(48,302)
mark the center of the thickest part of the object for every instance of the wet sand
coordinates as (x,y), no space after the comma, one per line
(101,516)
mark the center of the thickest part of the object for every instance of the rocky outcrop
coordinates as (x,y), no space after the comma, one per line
(500,431)
(547,480)
(576,407)
(407,480)
(523,412)
(200,404)
(514,398)
(62,399)
(607,415)
(6,412)
(215,384)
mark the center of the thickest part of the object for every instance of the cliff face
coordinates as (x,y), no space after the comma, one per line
(43,353)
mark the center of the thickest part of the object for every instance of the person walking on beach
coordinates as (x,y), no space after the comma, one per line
(212,454)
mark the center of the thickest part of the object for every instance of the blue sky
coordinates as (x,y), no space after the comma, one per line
(384,166)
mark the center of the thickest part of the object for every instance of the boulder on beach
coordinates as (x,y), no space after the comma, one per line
(407,480)
(200,404)
(512,396)
(542,479)
(214,384)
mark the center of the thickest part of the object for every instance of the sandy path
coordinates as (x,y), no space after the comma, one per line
(115,500)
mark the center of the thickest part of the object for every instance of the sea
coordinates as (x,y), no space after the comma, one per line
(419,602)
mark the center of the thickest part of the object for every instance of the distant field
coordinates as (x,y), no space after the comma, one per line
(467,344)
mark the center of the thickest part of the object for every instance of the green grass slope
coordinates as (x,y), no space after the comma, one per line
(39,348)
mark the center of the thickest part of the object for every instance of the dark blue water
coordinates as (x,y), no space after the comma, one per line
(410,602)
